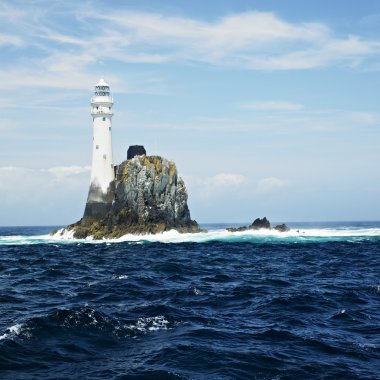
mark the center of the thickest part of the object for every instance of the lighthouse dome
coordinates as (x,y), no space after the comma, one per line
(102,82)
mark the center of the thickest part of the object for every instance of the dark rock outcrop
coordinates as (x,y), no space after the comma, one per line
(135,150)
(238,229)
(149,197)
(260,224)
(282,228)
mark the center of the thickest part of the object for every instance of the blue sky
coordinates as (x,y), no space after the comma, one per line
(268,108)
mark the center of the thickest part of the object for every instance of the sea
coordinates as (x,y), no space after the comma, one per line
(303,304)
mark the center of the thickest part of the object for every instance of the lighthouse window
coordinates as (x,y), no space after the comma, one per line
(104,156)
(97,147)
(109,128)
(104,119)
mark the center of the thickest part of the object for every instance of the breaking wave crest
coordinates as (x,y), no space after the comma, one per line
(296,235)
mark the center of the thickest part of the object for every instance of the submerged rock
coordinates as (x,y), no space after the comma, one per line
(149,197)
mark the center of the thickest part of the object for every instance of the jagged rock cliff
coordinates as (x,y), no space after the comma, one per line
(149,197)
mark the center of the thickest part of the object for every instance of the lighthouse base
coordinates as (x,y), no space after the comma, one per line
(96,210)
(99,203)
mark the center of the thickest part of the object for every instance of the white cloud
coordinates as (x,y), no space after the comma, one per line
(271,183)
(217,185)
(364,118)
(272,106)
(285,117)
(12,173)
(62,38)
(42,177)
(12,13)
(237,39)
(61,172)
(40,78)
(225,180)
(351,51)
(250,40)
(221,180)
(233,32)
(53,196)
(7,39)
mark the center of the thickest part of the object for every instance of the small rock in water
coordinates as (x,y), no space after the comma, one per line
(282,228)
(260,223)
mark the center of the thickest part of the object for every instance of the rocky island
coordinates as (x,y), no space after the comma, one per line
(147,196)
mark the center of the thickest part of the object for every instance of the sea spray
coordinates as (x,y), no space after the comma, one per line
(64,236)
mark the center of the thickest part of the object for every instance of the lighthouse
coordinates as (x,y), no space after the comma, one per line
(100,194)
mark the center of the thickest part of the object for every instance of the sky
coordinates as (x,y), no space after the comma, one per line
(268,108)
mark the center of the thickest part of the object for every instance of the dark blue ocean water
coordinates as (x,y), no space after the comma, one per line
(303,305)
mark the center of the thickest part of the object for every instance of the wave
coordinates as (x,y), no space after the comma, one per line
(351,234)
(11,331)
(89,321)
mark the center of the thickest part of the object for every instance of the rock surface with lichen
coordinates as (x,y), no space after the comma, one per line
(149,197)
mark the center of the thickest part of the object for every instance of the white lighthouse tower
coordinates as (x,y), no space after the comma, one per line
(100,195)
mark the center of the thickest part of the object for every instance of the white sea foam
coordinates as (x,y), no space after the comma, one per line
(65,236)
(4,336)
(150,324)
(249,235)
(13,330)
(119,277)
